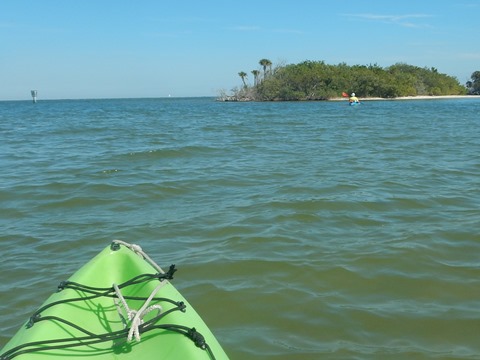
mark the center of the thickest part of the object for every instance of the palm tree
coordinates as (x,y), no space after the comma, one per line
(243,75)
(255,77)
(265,63)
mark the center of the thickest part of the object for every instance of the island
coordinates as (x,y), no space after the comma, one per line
(316,80)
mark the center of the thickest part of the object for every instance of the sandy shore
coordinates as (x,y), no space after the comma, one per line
(414,98)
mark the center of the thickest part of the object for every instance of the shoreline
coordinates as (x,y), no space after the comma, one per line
(418,97)
(337,99)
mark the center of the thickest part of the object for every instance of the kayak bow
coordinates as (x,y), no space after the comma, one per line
(120,305)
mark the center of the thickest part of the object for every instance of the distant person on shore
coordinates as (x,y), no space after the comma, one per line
(353,99)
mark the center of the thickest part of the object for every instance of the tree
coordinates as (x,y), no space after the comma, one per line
(316,80)
(474,85)
(243,75)
(265,63)
(255,77)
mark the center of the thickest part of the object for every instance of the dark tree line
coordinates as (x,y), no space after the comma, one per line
(316,80)
(473,85)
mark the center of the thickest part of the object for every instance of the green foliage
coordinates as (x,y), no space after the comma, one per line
(474,85)
(315,80)
(243,75)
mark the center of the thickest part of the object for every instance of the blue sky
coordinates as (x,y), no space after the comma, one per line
(154,48)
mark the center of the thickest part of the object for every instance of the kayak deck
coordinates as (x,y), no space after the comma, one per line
(120,305)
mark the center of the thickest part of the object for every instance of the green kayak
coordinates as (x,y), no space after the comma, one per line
(120,305)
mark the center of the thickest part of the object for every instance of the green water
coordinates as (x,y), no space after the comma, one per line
(300,230)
